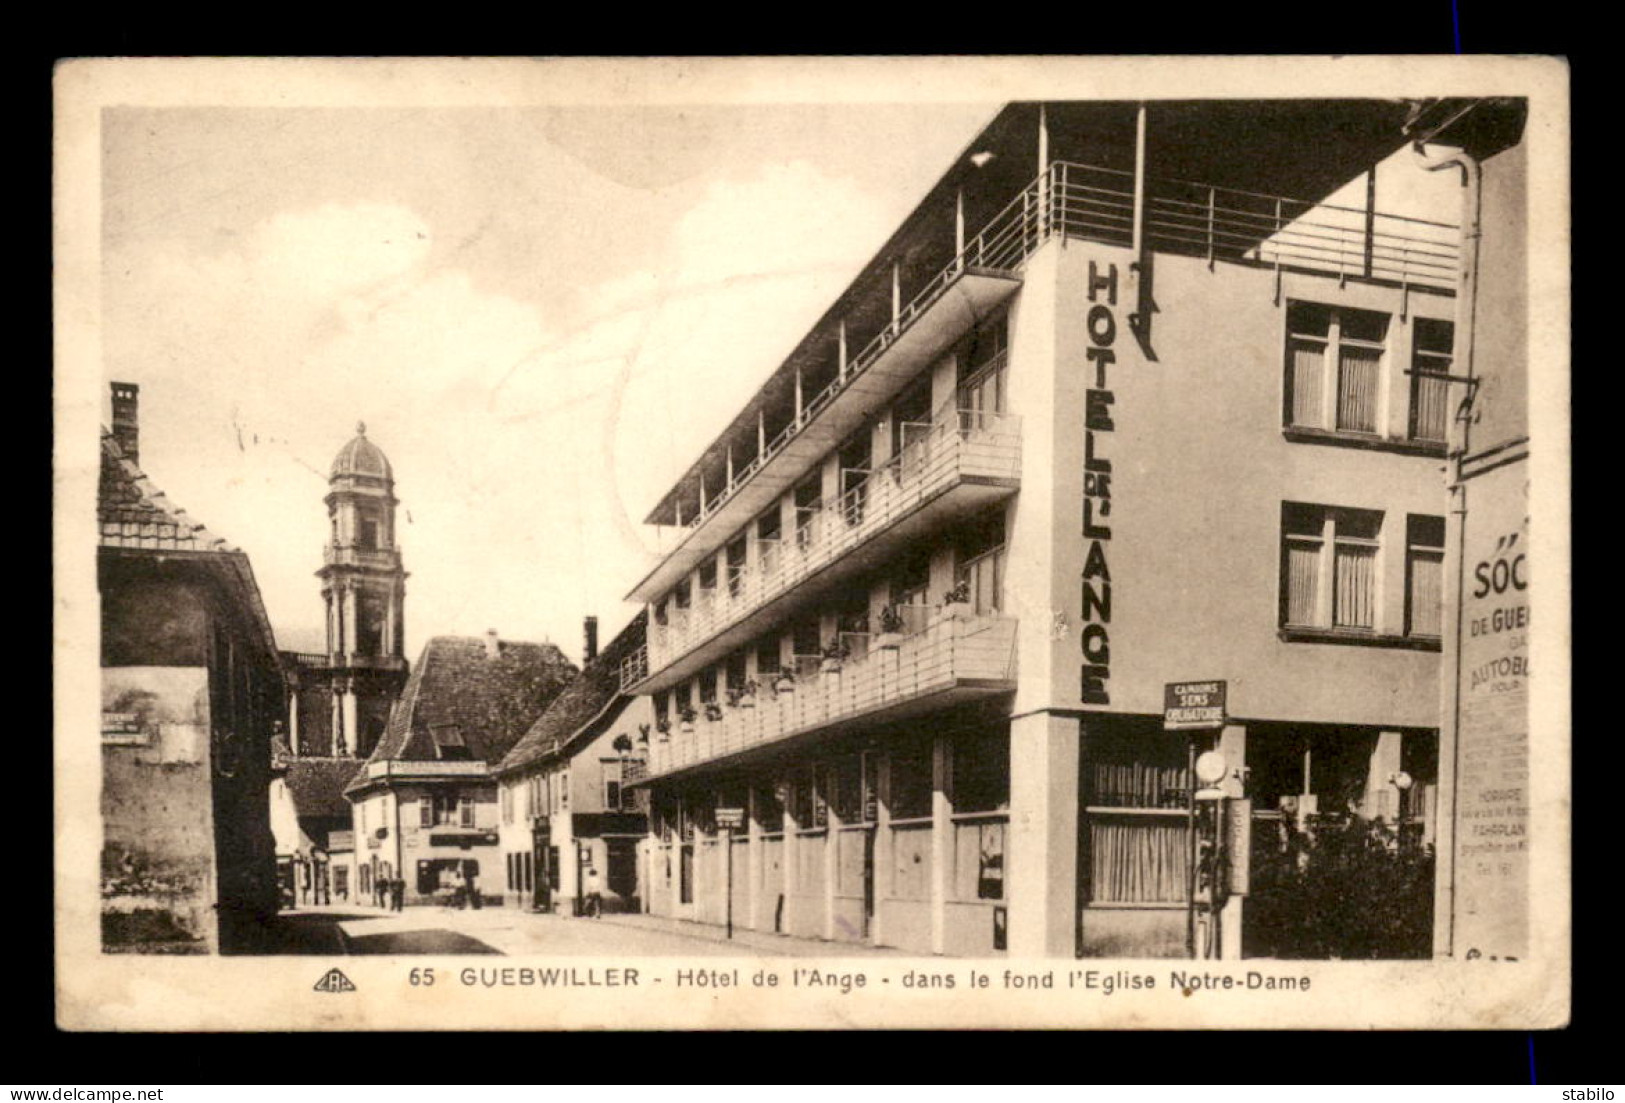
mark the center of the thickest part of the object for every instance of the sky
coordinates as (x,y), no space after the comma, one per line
(541,314)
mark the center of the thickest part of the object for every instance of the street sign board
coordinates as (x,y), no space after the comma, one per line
(731,818)
(1193,706)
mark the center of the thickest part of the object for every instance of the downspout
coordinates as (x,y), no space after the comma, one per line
(1456,447)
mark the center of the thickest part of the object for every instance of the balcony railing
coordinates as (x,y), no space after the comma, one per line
(349,555)
(948,653)
(956,446)
(1181,217)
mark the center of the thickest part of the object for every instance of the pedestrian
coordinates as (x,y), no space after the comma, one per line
(473,892)
(398,893)
(595,893)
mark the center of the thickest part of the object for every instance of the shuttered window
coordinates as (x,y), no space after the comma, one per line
(1431,350)
(1330,567)
(1424,576)
(1334,367)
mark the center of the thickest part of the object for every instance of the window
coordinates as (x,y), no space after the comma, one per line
(855,458)
(735,673)
(1431,346)
(449,743)
(1137,787)
(736,566)
(980,547)
(369,533)
(805,640)
(613,791)
(1329,567)
(369,623)
(708,583)
(446,809)
(1334,368)
(769,806)
(844,777)
(982,373)
(767,658)
(911,427)
(767,541)
(507,804)
(808,507)
(909,791)
(1424,576)
(981,771)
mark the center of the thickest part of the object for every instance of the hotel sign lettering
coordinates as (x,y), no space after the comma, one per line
(1096,612)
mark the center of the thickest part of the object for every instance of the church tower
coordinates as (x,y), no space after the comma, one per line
(364,589)
(339,699)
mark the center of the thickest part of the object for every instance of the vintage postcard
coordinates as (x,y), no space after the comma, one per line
(767,543)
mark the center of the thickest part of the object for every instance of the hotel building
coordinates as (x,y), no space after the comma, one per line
(1132,397)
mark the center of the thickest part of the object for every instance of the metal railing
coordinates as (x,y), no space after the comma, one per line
(948,651)
(958,445)
(1182,217)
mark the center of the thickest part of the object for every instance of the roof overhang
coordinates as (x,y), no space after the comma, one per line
(1305,149)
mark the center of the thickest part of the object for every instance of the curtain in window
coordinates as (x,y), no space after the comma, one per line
(1427,577)
(1302,582)
(1428,403)
(1356,587)
(1357,389)
(1137,862)
(1308,363)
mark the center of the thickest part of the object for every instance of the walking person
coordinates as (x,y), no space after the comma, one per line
(595,894)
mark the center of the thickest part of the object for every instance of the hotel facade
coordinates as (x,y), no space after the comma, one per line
(1126,401)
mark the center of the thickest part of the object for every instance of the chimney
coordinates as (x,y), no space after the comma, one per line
(493,646)
(590,627)
(126,420)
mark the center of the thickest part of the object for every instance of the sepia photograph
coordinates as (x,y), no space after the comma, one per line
(816,542)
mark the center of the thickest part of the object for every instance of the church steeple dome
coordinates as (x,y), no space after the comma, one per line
(362,457)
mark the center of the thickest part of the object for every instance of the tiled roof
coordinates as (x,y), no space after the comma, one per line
(317,785)
(581,702)
(490,701)
(132,513)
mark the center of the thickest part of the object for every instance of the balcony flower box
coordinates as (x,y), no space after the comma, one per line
(744,697)
(713,711)
(891,630)
(784,685)
(686,720)
(835,654)
(956,603)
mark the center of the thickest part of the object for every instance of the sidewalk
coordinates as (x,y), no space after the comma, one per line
(769,945)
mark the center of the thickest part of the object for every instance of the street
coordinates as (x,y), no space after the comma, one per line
(343,929)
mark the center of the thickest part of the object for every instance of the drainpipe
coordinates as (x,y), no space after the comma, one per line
(1444,922)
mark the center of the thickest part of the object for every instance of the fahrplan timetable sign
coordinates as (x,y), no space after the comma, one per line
(1193,706)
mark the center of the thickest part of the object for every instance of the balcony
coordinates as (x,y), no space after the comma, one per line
(350,555)
(960,461)
(950,661)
